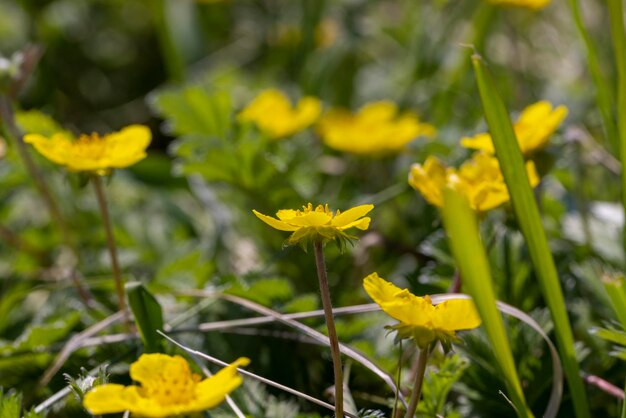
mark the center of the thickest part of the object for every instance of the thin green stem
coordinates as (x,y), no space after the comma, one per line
(330,324)
(603,91)
(106,221)
(616,15)
(623,414)
(416,393)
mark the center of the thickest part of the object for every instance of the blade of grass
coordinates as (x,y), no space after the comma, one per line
(462,229)
(527,213)
(603,91)
(615,286)
(616,15)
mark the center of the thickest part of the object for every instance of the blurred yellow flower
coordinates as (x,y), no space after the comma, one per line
(533,128)
(318,223)
(419,318)
(479,179)
(275,116)
(376,128)
(94,153)
(168,388)
(531,4)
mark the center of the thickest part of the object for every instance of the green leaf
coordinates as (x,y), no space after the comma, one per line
(39,337)
(527,214)
(265,291)
(36,122)
(611,335)
(148,316)
(616,289)
(462,229)
(194,110)
(10,404)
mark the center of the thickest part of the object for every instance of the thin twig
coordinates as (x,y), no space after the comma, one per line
(255,376)
(74,344)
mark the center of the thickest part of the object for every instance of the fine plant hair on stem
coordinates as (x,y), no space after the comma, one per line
(108,229)
(330,325)
(254,376)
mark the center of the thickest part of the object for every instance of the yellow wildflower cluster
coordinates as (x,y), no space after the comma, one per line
(168,388)
(318,223)
(530,4)
(377,128)
(276,117)
(479,179)
(419,318)
(533,128)
(94,153)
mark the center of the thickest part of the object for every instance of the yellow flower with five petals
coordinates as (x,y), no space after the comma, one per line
(276,117)
(318,223)
(168,388)
(418,317)
(479,179)
(377,128)
(94,153)
(533,128)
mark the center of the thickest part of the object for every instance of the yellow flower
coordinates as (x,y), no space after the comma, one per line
(376,128)
(319,223)
(168,388)
(274,115)
(479,179)
(418,317)
(533,128)
(531,4)
(94,153)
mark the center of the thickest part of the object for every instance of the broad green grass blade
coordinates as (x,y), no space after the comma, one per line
(527,213)
(462,229)
(616,14)
(148,316)
(603,91)
(616,289)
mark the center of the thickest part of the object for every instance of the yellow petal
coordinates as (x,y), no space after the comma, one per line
(456,314)
(212,391)
(311,219)
(351,215)
(397,303)
(481,141)
(429,180)
(128,146)
(286,214)
(110,398)
(275,223)
(362,224)
(56,149)
(150,367)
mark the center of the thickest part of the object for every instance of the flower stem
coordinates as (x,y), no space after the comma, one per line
(106,220)
(11,132)
(417,385)
(330,324)
(398,382)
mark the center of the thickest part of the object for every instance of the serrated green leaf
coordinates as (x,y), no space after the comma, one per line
(10,404)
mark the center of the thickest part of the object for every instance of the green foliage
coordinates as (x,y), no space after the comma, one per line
(438,384)
(148,316)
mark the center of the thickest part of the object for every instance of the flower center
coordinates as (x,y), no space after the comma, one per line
(319,208)
(172,388)
(90,146)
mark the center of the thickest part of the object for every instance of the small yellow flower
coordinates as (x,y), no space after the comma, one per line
(533,128)
(479,179)
(418,317)
(94,153)
(530,4)
(376,128)
(168,388)
(274,115)
(319,223)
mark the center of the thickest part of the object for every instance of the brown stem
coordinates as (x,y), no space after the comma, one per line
(106,221)
(417,385)
(330,324)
